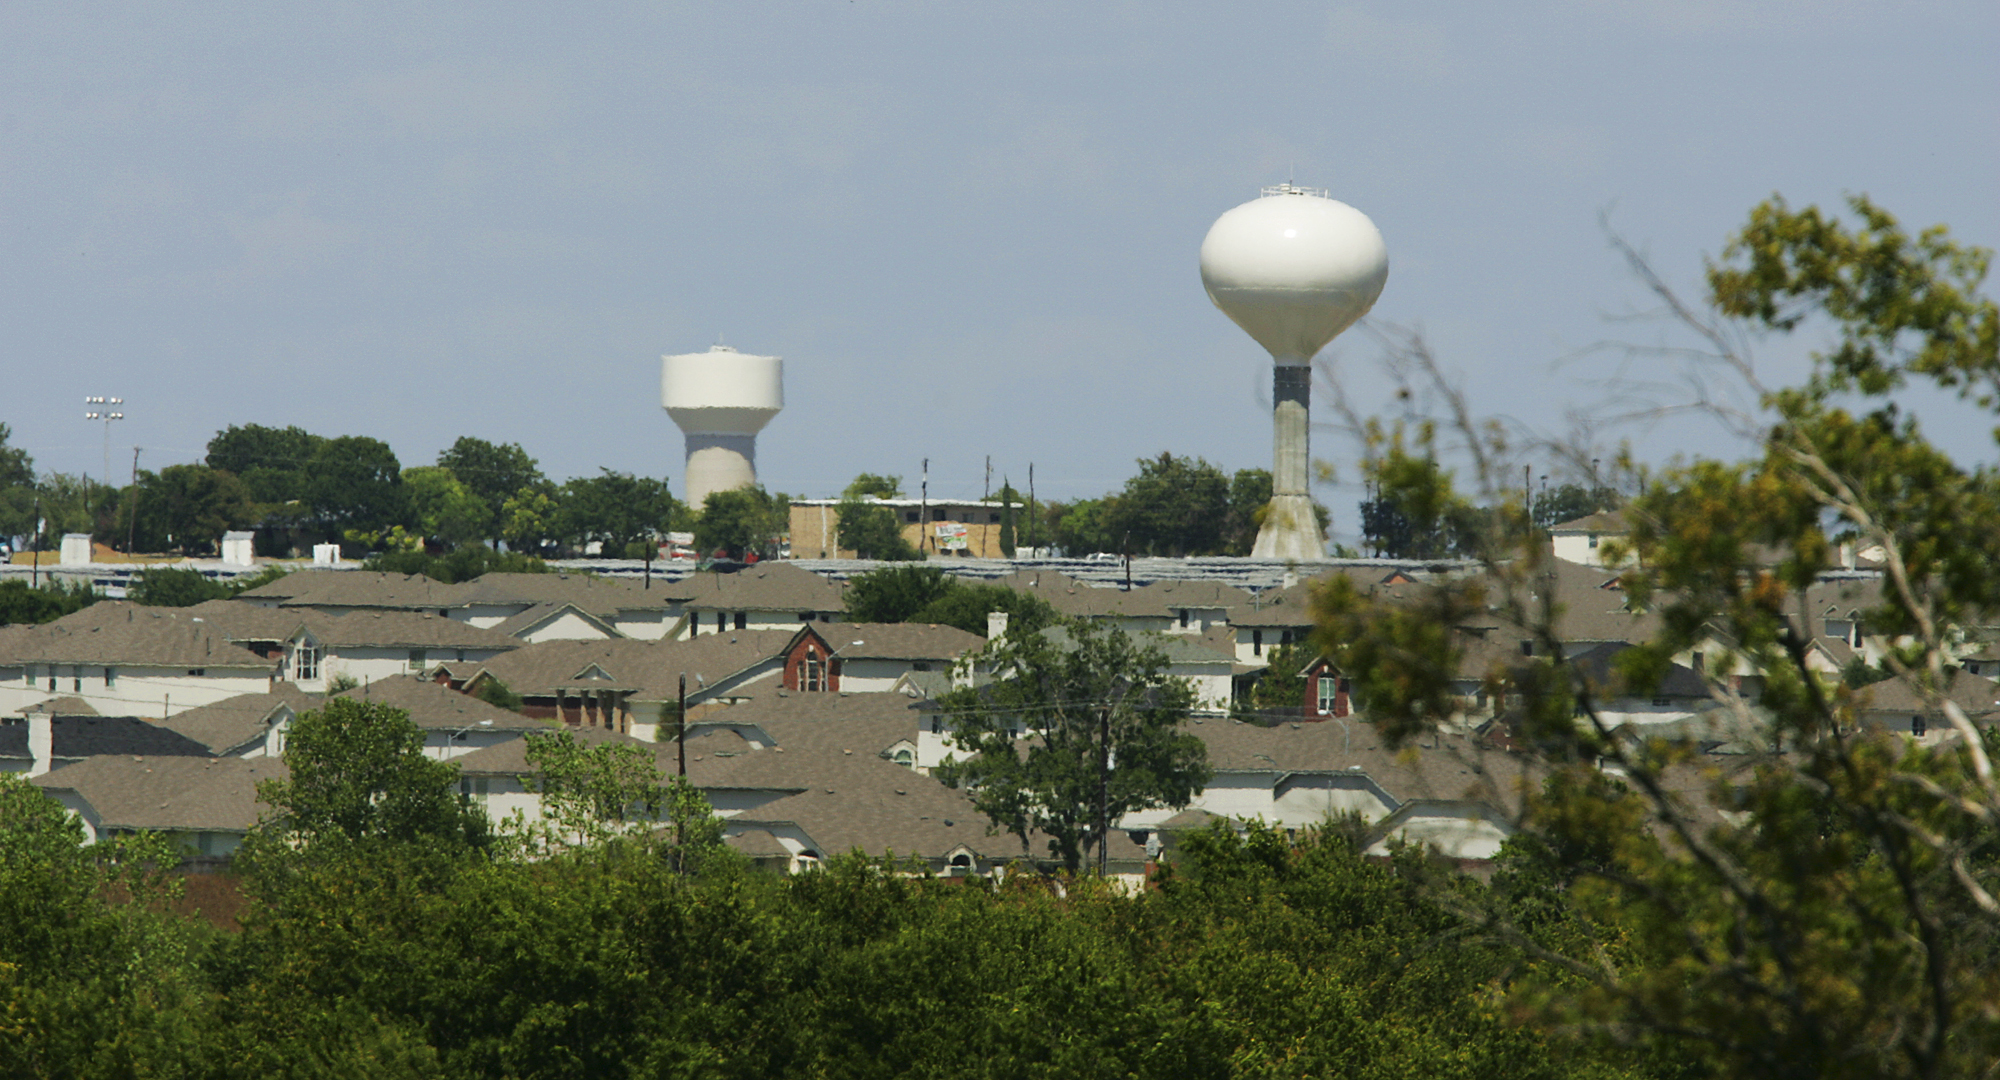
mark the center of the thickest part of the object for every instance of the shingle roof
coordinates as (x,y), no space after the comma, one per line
(119,633)
(767,586)
(1455,768)
(96,736)
(358,588)
(781,706)
(1603,521)
(386,628)
(1596,665)
(225,725)
(404,630)
(896,641)
(510,758)
(1977,695)
(432,705)
(62,706)
(168,793)
(523,621)
(600,596)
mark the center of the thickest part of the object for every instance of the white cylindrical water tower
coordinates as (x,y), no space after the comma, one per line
(1293,269)
(721,399)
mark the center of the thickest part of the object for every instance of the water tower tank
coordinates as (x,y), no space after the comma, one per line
(721,399)
(1293,269)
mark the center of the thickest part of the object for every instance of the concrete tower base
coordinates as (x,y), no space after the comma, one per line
(1290,529)
(719,463)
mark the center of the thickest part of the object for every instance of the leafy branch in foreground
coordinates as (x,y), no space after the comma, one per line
(1820,902)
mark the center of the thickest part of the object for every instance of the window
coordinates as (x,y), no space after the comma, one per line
(1593,541)
(1256,643)
(812,673)
(1184,618)
(920,665)
(910,516)
(76,679)
(805,616)
(110,678)
(305,662)
(742,620)
(1917,726)
(906,759)
(416,659)
(1661,703)
(197,672)
(1329,693)
(721,621)
(52,679)
(474,788)
(1527,647)
(994,518)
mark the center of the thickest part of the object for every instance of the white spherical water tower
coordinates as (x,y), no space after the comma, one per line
(721,399)
(1293,269)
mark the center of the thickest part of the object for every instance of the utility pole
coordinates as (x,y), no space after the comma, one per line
(681,727)
(1103,786)
(986,493)
(924,507)
(1032,512)
(35,544)
(132,514)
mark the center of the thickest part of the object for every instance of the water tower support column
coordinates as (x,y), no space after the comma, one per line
(1290,529)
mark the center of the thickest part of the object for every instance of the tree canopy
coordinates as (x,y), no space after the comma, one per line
(1079,727)
(743,522)
(1839,921)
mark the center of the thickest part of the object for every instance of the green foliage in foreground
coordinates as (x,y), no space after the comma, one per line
(1255,957)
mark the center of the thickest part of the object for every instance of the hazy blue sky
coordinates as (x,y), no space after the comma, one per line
(969,228)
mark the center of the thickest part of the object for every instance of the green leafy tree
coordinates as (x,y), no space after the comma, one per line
(1079,728)
(743,522)
(498,694)
(895,594)
(966,606)
(187,508)
(273,463)
(1008,497)
(616,509)
(359,776)
(173,586)
(1282,688)
(494,472)
(21,603)
(445,508)
(355,482)
(590,794)
(1249,498)
(882,487)
(460,564)
(1175,506)
(17,487)
(1840,922)
(871,531)
(1567,502)
(1084,526)
(528,520)
(88,986)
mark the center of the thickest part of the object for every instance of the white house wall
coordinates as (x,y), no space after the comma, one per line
(1453,836)
(569,626)
(647,624)
(135,691)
